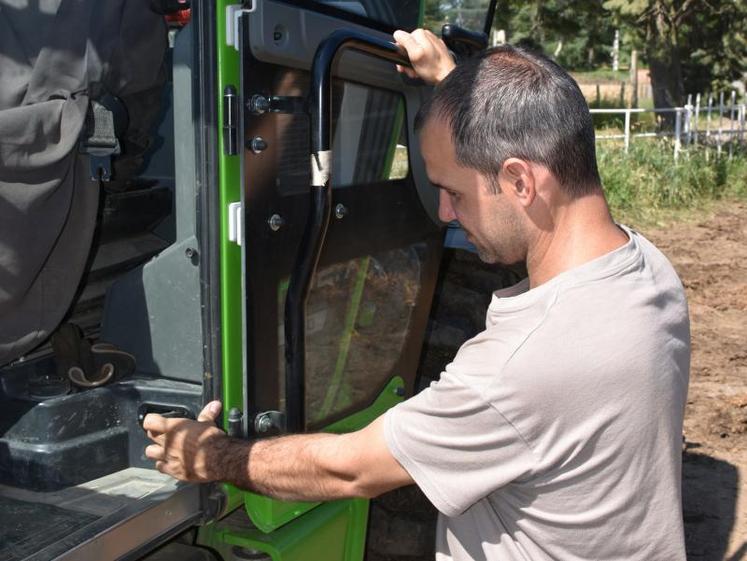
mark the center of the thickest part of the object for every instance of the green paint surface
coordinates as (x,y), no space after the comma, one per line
(332,531)
(269,514)
(335,531)
(229,187)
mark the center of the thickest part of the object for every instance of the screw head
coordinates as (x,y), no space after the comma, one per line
(263,423)
(275,222)
(341,211)
(258,104)
(257,144)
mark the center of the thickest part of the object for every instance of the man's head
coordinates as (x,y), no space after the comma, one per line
(507,136)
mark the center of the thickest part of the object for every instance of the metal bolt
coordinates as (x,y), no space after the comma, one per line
(399,391)
(263,423)
(257,144)
(191,254)
(340,211)
(258,104)
(275,222)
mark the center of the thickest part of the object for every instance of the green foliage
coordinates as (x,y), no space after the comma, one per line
(688,45)
(646,182)
(583,29)
(698,45)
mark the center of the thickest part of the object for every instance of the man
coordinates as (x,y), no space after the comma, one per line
(555,433)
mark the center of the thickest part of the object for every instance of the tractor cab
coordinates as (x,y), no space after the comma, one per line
(201,201)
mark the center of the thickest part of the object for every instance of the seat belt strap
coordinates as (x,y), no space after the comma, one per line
(100,141)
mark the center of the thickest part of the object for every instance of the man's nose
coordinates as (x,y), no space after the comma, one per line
(445,210)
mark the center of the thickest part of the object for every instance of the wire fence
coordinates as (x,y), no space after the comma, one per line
(708,121)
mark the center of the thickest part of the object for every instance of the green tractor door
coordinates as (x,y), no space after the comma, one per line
(324,311)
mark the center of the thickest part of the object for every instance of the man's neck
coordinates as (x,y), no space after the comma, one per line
(582,230)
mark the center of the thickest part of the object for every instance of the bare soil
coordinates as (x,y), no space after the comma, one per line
(710,254)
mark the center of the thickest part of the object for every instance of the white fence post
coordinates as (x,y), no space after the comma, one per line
(677,132)
(720,123)
(732,102)
(627,130)
(686,125)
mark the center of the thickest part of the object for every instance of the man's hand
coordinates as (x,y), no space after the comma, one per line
(187,450)
(429,56)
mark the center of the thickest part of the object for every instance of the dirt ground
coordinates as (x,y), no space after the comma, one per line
(710,254)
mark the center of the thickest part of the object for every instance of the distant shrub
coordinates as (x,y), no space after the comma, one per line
(647,180)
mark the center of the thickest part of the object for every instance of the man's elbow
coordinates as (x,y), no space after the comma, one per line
(366,489)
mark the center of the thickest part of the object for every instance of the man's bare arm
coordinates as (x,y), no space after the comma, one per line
(297,467)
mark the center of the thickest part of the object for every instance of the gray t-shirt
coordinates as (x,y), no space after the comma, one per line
(556,433)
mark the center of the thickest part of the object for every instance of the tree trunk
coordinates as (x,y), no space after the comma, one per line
(663,54)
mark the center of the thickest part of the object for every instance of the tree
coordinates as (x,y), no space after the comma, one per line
(688,44)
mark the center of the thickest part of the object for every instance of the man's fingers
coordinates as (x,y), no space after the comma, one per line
(157,437)
(410,44)
(407,71)
(210,412)
(155,452)
(428,55)
(155,423)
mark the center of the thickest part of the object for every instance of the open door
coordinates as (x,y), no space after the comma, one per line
(364,317)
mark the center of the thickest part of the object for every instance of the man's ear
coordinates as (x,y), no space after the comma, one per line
(519,180)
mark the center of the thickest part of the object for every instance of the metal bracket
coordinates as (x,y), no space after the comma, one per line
(259,104)
(236,223)
(233,13)
(269,420)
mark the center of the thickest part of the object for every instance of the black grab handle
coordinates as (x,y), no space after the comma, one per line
(463,42)
(320,110)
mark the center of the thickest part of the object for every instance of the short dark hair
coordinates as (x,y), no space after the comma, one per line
(509,102)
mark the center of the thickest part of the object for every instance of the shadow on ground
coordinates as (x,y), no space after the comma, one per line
(709,494)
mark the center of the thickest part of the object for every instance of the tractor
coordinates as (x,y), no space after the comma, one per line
(198,201)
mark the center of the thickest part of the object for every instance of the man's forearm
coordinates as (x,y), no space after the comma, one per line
(296,467)
(304,467)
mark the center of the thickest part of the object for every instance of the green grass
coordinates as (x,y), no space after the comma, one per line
(646,187)
(601,76)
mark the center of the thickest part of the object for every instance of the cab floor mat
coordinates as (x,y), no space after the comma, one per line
(26,528)
(100,497)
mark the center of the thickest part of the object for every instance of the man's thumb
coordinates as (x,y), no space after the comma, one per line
(210,412)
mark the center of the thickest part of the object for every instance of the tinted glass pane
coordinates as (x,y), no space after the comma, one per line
(358,319)
(469,14)
(369,141)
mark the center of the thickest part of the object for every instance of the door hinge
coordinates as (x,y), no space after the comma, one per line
(230,121)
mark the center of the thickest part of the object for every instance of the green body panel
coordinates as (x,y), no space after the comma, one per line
(268,514)
(229,185)
(336,531)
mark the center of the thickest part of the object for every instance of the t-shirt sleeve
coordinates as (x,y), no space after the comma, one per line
(456,446)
